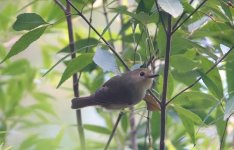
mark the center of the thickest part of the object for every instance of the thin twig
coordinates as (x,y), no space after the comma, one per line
(224,132)
(114,129)
(103,39)
(165,84)
(195,82)
(160,16)
(195,10)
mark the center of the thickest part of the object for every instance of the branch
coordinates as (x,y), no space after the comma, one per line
(114,129)
(208,71)
(103,39)
(165,84)
(75,77)
(176,28)
(160,16)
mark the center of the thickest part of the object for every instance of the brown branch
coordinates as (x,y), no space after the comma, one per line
(75,76)
(165,84)
(195,82)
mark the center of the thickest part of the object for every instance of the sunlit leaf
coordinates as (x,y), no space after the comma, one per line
(173,7)
(105,60)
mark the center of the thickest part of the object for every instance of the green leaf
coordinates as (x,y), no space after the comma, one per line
(142,16)
(214,75)
(229,73)
(220,123)
(29,142)
(155,125)
(76,65)
(196,99)
(188,119)
(145,6)
(187,7)
(124,122)
(17,67)
(28,21)
(189,126)
(24,42)
(229,107)
(188,114)
(182,63)
(81,44)
(97,129)
(227,10)
(173,7)
(59,137)
(211,85)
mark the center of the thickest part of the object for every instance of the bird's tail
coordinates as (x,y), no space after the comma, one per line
(80,102)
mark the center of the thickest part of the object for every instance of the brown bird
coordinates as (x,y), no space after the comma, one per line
(119,92)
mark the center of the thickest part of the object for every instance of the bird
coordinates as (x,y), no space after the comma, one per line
(120,91)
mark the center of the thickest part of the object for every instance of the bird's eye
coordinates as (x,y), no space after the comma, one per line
(142,73)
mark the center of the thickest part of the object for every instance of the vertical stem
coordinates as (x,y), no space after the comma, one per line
(75,77)
(165,83)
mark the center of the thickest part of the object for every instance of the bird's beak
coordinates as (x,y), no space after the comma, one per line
(153,76)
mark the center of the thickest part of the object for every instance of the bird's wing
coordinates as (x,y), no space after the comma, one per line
(112,92)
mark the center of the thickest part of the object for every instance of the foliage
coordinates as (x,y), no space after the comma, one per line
(201,59)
